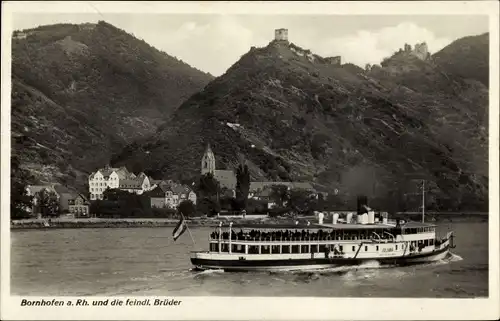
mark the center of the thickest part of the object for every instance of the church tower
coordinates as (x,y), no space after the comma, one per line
(208,162)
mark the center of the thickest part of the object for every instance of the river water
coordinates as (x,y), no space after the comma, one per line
(145,261)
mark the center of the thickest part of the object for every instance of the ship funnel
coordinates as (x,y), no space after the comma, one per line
(384,218)
(362,202)
(371,217)
(320,217)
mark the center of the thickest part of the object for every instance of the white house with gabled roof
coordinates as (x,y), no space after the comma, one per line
(117,178)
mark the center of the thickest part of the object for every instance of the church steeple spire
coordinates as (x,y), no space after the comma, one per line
(208,161)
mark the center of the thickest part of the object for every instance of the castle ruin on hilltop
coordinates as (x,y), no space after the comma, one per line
(281,34)
(337,60)
(421,51)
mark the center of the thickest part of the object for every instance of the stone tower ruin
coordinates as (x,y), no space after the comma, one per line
(421,51)
(337,60)
(281,34)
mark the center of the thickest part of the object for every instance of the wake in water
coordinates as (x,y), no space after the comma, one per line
(369,265)
(198,273)
(454,257)
(451,257)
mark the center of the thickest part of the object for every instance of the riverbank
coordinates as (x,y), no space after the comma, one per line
(119,222)
(64,223)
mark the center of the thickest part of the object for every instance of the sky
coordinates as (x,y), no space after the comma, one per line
(212,42)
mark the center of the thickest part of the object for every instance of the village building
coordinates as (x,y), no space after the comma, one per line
(226,178)
(170,195)
(257,187)
(79,206)
(117,178)
(263,191)
(264,195)
(63,195)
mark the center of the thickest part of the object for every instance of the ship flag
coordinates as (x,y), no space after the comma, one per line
(179,229)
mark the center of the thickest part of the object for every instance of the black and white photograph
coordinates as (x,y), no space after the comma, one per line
(151,157)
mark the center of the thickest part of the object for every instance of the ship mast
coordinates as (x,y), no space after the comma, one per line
(423,200)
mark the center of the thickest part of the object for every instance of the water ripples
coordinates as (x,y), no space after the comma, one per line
(147,262)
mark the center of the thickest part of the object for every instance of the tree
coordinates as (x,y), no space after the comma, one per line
(114,194)
(20,203)
(333,202)
(47,203)
(302,201)
(280,195)
(257,206)
(128,204)
(208,186)
(186,207)
(242,186)
(208,206)
(208,191)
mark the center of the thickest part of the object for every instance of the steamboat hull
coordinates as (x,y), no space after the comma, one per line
(245,263)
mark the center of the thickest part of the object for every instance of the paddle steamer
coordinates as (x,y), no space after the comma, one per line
(350,240)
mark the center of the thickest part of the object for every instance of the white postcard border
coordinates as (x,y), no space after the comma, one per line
(269,308)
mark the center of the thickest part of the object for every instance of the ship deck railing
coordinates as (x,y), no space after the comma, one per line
(298,240)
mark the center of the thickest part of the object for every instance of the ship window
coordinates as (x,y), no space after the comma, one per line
(275,249)
(265,249)
(377,247)
(238,248)
(366,248)
(225,247)
(431,242)
(295,249)
(253,249)
(341,248)
(304,249)
(314,248)
(396,247)
(353,248)
(285,249)
(322,248)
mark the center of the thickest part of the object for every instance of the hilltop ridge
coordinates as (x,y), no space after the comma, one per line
(82,92)
(293,115)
